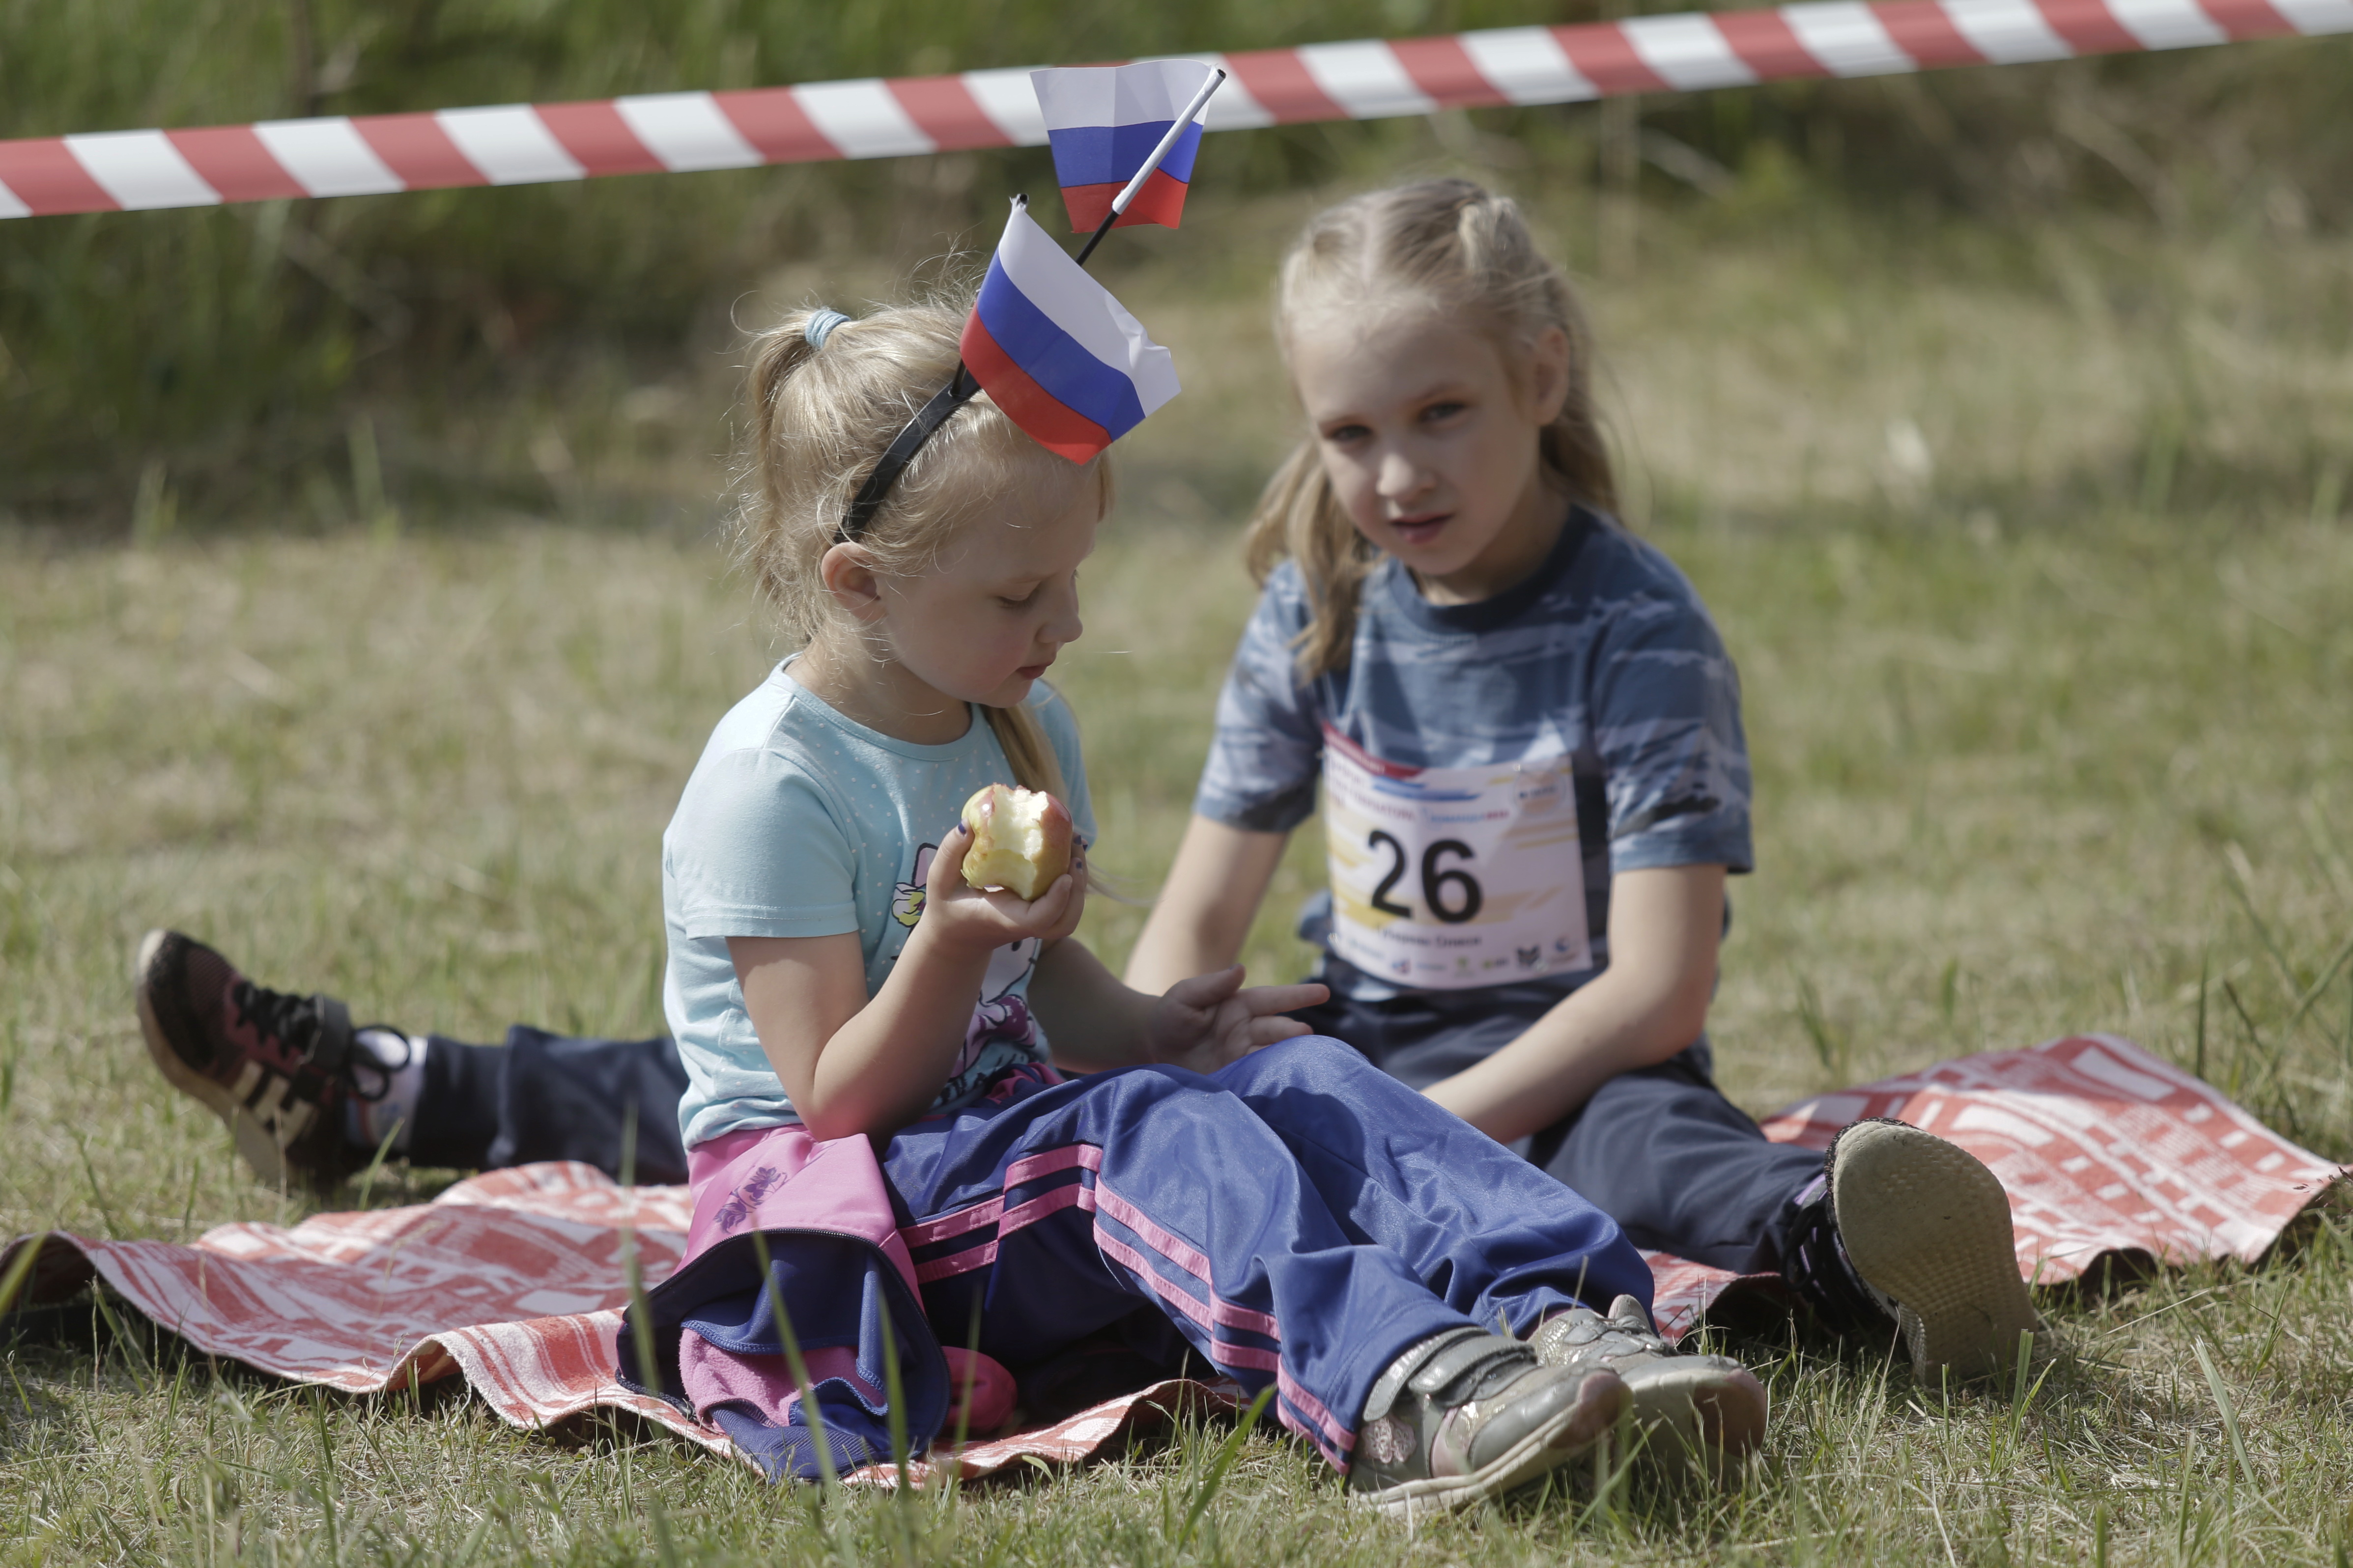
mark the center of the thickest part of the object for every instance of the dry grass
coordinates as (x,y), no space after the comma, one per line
(2051,733)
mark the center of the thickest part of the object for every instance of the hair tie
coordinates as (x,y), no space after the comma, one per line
(820,324)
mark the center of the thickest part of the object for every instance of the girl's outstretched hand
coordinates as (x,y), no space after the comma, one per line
(1211,1020)
(970,919)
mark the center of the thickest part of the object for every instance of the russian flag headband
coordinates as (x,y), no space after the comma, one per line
(1059,356)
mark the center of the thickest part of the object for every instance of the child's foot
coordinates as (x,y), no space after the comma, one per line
(1706,1409)
(1916,1230)
(1466,1415)
(276,1069)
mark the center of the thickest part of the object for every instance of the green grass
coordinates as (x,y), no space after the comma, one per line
(2051,734)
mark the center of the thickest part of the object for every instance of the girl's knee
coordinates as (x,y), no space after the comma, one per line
(1302,1061)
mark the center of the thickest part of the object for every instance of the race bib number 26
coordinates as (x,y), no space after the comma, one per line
(1452,877)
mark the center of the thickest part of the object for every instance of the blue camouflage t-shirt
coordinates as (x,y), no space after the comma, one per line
(800,821)
(1604,654)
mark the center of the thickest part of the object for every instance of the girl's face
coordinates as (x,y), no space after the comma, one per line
(1428,435)
(988,618)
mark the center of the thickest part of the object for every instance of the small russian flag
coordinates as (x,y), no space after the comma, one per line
(1056,352)
(1103,122)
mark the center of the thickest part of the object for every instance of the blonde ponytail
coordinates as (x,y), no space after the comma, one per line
(821,416)
(1468,253)
(1298,516)
(1035,766)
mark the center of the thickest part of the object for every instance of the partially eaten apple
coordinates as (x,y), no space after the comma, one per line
(1020,840)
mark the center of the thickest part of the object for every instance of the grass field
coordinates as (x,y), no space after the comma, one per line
(2033,556)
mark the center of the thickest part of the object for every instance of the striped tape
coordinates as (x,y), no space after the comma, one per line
(516,143)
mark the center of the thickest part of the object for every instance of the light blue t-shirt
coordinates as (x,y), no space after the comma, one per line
(799,822)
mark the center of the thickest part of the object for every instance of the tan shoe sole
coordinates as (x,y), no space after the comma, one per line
(1601,1401)
(1926,1222)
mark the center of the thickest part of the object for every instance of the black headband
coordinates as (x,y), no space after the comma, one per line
(960,390)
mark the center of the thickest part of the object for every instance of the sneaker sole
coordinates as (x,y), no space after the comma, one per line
(259,1150)
(1601,1401)
(1709,1416)
(1925,1222)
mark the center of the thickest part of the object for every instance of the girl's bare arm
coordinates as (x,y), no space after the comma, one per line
(1665,927)
(850,1064)
(1092,1021)
(1205,910)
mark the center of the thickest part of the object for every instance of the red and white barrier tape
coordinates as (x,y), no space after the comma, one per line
(514,144)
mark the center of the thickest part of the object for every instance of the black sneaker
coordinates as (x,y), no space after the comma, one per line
(1706,1410)
(1910,1236)
(275,1068)
(1466,1415)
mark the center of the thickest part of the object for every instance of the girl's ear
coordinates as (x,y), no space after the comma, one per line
(848,575)
(1548,374)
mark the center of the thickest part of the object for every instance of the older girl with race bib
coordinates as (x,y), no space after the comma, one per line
(1533,782)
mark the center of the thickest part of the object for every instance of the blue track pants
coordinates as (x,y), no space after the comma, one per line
(1300,1217)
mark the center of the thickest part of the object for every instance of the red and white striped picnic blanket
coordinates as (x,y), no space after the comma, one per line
(515,1279)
